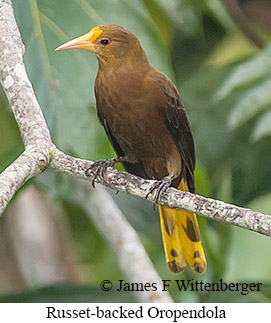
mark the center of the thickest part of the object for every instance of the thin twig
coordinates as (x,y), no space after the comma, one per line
(242,22)
(173,198)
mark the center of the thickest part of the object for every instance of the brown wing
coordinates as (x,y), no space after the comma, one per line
(178,125)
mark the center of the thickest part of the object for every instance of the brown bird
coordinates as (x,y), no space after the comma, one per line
(145,121)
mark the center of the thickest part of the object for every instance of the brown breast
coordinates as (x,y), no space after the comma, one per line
(130,105)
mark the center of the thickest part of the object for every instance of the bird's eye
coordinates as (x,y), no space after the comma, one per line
(105,41)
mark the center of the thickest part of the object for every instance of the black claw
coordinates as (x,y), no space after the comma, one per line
(87,171)
(99,168)
(160,186)
(153,206)
(93,181)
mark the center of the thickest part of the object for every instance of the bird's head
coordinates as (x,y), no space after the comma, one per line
(109,43)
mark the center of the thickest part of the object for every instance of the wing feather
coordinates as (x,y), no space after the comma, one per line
(133,168)
(178,125)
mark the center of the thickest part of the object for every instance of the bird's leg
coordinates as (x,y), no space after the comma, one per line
(160,186)
(100,166)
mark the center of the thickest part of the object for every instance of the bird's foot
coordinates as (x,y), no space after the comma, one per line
(160,186)
(100,166)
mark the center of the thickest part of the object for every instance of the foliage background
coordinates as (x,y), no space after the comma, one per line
(224,81)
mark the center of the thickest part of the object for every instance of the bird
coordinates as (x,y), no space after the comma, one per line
(146,123)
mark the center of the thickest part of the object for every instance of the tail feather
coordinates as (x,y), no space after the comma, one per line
(181,238)
(170,235)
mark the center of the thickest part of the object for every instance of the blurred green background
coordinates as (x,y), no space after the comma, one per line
(49,248)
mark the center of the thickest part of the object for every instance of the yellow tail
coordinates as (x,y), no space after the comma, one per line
(181,238)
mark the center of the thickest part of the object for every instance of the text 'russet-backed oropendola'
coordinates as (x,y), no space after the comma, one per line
(145,121)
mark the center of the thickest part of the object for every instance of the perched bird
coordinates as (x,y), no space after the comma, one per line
(145,121)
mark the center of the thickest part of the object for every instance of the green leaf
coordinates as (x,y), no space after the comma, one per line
(254,69)
(248,252)
(261,204)
(11,143)
(219,11)
(201,180)
(263,127)
(161,18)
(250,103)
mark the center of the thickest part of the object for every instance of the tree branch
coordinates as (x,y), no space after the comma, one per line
(41,152)
(173,198)
(16,84)
(33,129)
(13,177)
(121,236)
